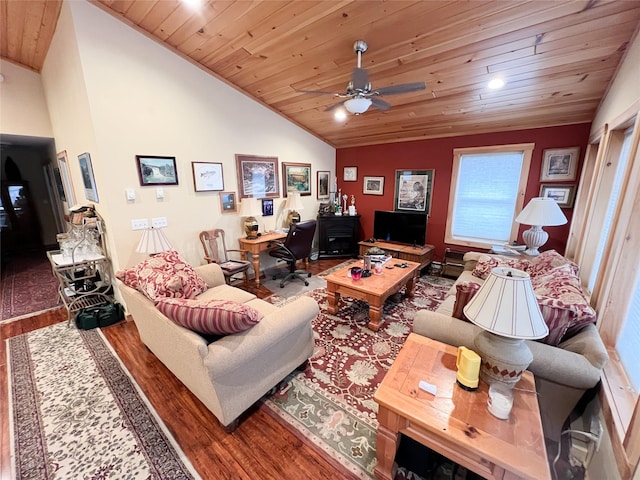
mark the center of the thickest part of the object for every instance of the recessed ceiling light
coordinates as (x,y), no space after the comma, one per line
(340,114)
(194,4)
(496,83)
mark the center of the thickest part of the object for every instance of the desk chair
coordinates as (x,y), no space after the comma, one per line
(296,246)
(215,251)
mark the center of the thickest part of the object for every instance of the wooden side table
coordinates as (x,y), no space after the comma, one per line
(455,422)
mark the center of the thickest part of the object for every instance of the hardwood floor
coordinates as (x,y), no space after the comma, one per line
(261,447)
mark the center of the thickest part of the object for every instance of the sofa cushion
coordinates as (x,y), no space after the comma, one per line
(548,261)
(465,291)
(216,317)
(164,275)
(486,263)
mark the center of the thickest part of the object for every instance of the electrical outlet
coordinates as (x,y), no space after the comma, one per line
(596,430)
(159,222)
(139,224)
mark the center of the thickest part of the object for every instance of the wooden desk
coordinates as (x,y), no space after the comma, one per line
(455,422)
(257,245)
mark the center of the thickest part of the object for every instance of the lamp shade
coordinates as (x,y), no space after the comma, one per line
(506,305)
(153,241)
(542,211)
(250,207)
(294,202)
(357,105)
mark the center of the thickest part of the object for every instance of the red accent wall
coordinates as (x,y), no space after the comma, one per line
(437,154)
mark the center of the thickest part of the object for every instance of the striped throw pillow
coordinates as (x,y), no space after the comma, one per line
(214,317)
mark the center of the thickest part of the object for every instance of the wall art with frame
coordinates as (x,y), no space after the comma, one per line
(157,170)
(267,207)
(228,203)
(65,178)
(373,186)
(413,190)
(207,176)
(88,178)
(564,195)
(322,187)
(559,164)
(257,176)
(296,177)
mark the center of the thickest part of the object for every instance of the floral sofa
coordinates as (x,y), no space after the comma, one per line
(224,344)
(567,362)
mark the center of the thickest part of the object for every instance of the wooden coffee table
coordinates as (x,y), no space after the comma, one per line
(374,289)
(455,422)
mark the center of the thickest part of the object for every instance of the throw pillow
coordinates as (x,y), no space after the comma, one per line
(486,263)
(216,317)
(465,291)
(548,261)
(164,275)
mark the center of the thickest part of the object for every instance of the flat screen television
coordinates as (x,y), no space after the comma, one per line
(400,227)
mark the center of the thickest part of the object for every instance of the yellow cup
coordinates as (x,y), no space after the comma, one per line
(468,365)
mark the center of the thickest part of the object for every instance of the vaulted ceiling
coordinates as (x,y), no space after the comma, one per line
(556,57)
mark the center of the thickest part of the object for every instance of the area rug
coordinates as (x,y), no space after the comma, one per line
(292,288)
(76,412)
(28,287)
(331,404)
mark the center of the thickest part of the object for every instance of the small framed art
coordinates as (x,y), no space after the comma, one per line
(322,187)
(564,195)
(350,174)
(156,170)
(228,202)
(207,177)
(373,186)
(296,178)
(559,164)
(257,176)
(267,207)
(65,178)
(88,179)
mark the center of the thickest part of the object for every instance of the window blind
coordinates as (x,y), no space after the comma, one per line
(628,344)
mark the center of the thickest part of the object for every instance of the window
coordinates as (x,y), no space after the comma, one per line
(628,343)
(487,189)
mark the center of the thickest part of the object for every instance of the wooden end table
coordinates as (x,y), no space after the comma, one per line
(374,289)
(456,422)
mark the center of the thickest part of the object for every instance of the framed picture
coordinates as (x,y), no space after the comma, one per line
(322,187)
(228,202)
(155,170)
(564,195)
(413,190)
(373,186)
(207,177)
(88,179)
(559,164)
(350,174)
(65,179)
(267,207)
(257,176)
(296,178)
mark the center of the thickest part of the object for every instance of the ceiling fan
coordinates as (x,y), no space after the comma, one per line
(359,92)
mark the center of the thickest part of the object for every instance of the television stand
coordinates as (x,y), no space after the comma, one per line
(422,254)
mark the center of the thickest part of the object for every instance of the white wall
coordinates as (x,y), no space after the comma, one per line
(23,107)
(138,98)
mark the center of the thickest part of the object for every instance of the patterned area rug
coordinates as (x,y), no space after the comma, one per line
(77,413)
(331,403)
(28,287)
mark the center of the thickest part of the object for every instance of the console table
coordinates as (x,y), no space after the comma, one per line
(422,254)
(338,235)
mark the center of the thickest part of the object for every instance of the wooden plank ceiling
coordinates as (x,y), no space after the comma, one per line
(557,57)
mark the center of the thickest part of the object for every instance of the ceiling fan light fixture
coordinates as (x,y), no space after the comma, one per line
(357,105)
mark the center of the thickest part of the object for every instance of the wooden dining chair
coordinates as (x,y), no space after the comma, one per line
(215,251)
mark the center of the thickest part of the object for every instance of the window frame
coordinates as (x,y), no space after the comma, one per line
(458,153)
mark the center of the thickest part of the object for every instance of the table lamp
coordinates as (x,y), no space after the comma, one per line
(293,203)
(507,311)
(538,213)
(153,241)
(250,209)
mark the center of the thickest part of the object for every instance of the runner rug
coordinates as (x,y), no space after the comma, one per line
(331,404)
(76,412)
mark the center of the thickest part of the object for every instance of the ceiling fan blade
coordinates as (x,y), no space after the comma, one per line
(360,79)
(379,103)
(317,91)
(334,106)
(403,88)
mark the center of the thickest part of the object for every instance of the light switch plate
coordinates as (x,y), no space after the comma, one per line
(139,224)
(159,193)
(159,222)
(131,194)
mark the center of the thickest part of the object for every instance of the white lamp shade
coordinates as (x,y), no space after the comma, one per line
(357,105)
(153,241)
(506,305)
(294,202)
(541,211)
(250,207)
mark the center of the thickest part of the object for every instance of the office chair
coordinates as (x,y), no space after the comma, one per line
(296,246)
(215,251)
